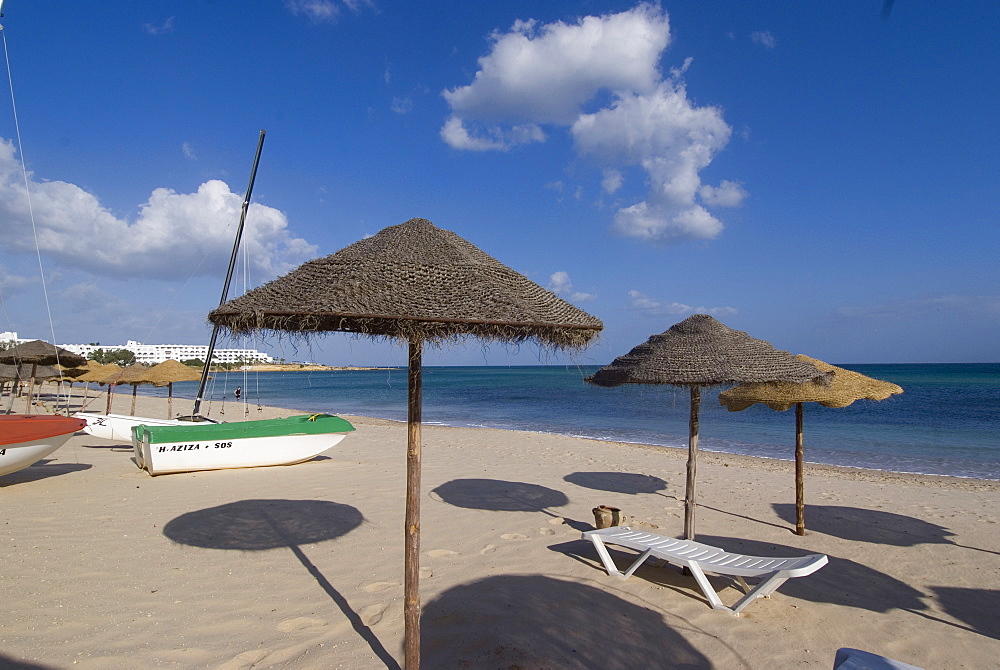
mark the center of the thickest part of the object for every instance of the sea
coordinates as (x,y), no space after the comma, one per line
(946,422)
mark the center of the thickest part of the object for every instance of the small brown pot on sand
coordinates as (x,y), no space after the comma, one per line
(606,517)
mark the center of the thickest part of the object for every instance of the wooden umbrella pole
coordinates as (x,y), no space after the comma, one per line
(170,400)
(31,386)
(411,581)
(800,486)
(108,410)
(134,389)
(692,466)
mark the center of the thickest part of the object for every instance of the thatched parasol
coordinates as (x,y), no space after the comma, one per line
(134,375)
(416,283)
(168,372)
(96,372)
(843,387)
(696,352)
(38,353)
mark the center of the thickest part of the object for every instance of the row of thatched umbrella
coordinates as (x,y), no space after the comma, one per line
(417,283)
(48,361)
(36,353)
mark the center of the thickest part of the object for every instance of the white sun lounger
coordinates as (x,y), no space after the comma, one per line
(700,558)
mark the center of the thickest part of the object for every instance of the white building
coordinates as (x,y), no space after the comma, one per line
(157,353)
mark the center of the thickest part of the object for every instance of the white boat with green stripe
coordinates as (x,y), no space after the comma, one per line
(243,444)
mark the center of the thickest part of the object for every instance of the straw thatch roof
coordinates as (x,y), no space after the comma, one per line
(843,388)
(171,371)
(413,281)
(42,353)
(23,371)
(98,372)
(700,351)
(133,374)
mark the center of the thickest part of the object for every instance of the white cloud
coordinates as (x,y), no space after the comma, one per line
(324,11)
(12,284)
(726,194)
(652,307)
(547,74)
(612,180)
(763,38)
(317,11)
(161,29)
(188,151)
(490,138)
(402,105)
(173,236)
(560,284)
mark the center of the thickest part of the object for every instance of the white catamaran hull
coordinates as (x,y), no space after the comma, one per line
(118,427)
(14,457)
(247,452)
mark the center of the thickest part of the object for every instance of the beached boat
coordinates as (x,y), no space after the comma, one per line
(27,439)
(245,444)
(119,427)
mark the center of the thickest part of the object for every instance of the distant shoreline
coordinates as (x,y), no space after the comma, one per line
(305,367)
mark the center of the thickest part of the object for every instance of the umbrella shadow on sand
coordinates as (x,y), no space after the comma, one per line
(975,607)
(497,495)
(531,621)
(841,582)
(868,525)
(258,525)
(627,483)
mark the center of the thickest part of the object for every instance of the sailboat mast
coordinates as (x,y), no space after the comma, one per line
(229,277)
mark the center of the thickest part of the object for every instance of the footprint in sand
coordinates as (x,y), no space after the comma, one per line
(513,536)
(372,614)
(376,587)
(441,553)
(488,549)
(546,531)
(426,573)
(558,521)
(247,659)
(299,623)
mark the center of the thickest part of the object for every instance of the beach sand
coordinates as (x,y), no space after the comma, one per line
(302,566)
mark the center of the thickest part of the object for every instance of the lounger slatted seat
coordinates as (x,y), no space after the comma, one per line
(700,558)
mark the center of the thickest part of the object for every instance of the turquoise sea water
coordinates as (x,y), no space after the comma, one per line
(946,422)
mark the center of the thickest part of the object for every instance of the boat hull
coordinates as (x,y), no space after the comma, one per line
(118,427)
(34,438)
(247,444)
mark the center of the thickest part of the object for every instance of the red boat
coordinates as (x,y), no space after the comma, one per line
(26,439)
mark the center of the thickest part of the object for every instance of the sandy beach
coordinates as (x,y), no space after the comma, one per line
(302,566)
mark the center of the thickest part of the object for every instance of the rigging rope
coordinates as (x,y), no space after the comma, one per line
(27,193)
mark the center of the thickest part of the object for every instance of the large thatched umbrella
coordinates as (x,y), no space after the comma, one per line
(38,352)
(168,372)
(134,375)
(415,283)
(696,352)
(842,388)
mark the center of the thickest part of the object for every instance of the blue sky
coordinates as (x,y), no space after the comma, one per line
(810,172)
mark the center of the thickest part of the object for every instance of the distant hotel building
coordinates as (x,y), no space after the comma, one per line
(157,353)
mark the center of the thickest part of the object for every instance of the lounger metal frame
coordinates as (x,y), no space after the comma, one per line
(699,558)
